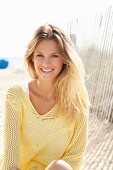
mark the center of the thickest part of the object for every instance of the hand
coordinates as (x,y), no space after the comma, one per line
(14,168)
(58,165)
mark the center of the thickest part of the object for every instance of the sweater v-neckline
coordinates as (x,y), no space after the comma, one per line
(50,113)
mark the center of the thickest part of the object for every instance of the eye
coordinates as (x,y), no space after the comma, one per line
(38,55)
(55,55)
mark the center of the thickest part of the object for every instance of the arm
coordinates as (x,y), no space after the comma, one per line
(75,152)
(11,133)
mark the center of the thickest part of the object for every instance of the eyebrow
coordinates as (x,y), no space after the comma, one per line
(51,53)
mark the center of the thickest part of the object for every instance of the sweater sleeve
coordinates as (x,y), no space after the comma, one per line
(75,153)
(11,129)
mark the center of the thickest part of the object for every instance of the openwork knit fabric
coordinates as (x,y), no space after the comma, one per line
(32,141)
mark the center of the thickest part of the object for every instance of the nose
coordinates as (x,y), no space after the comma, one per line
(46,61)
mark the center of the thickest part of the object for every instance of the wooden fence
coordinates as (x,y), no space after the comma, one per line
(93,38)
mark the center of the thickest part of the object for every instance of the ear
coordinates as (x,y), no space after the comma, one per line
(32,59)
(65,63)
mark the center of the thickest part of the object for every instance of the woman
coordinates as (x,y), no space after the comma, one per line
(46,121)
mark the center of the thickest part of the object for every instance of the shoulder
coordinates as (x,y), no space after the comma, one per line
(13,93)
(81,121)
(13,100)
(83,117)
(16,88)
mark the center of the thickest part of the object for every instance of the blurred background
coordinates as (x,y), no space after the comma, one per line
(90,26)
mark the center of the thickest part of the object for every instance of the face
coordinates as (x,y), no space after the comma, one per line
(48,60)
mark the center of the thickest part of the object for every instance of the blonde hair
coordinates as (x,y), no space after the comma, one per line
(71,92)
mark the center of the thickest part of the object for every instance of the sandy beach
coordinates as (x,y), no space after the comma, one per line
(99,152)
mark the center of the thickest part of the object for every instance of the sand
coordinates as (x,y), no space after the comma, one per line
(99,152)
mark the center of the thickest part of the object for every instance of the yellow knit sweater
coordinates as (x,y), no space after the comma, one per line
(32,141)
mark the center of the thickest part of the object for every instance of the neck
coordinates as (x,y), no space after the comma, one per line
(46,89)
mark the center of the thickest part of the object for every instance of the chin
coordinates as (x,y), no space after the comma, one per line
(48,78)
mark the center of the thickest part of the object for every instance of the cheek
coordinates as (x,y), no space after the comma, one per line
(37,63)
(58,63)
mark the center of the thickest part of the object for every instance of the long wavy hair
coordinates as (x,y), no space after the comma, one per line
(71,93)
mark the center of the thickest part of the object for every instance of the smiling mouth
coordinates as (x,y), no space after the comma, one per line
(46,70)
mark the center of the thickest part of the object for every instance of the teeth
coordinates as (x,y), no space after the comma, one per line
(47,70)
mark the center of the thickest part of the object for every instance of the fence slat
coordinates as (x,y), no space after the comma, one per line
(94,42)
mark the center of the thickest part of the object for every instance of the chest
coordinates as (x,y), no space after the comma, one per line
(41,105)
(50,136)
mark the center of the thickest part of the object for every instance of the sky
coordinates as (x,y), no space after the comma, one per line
(20,18)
